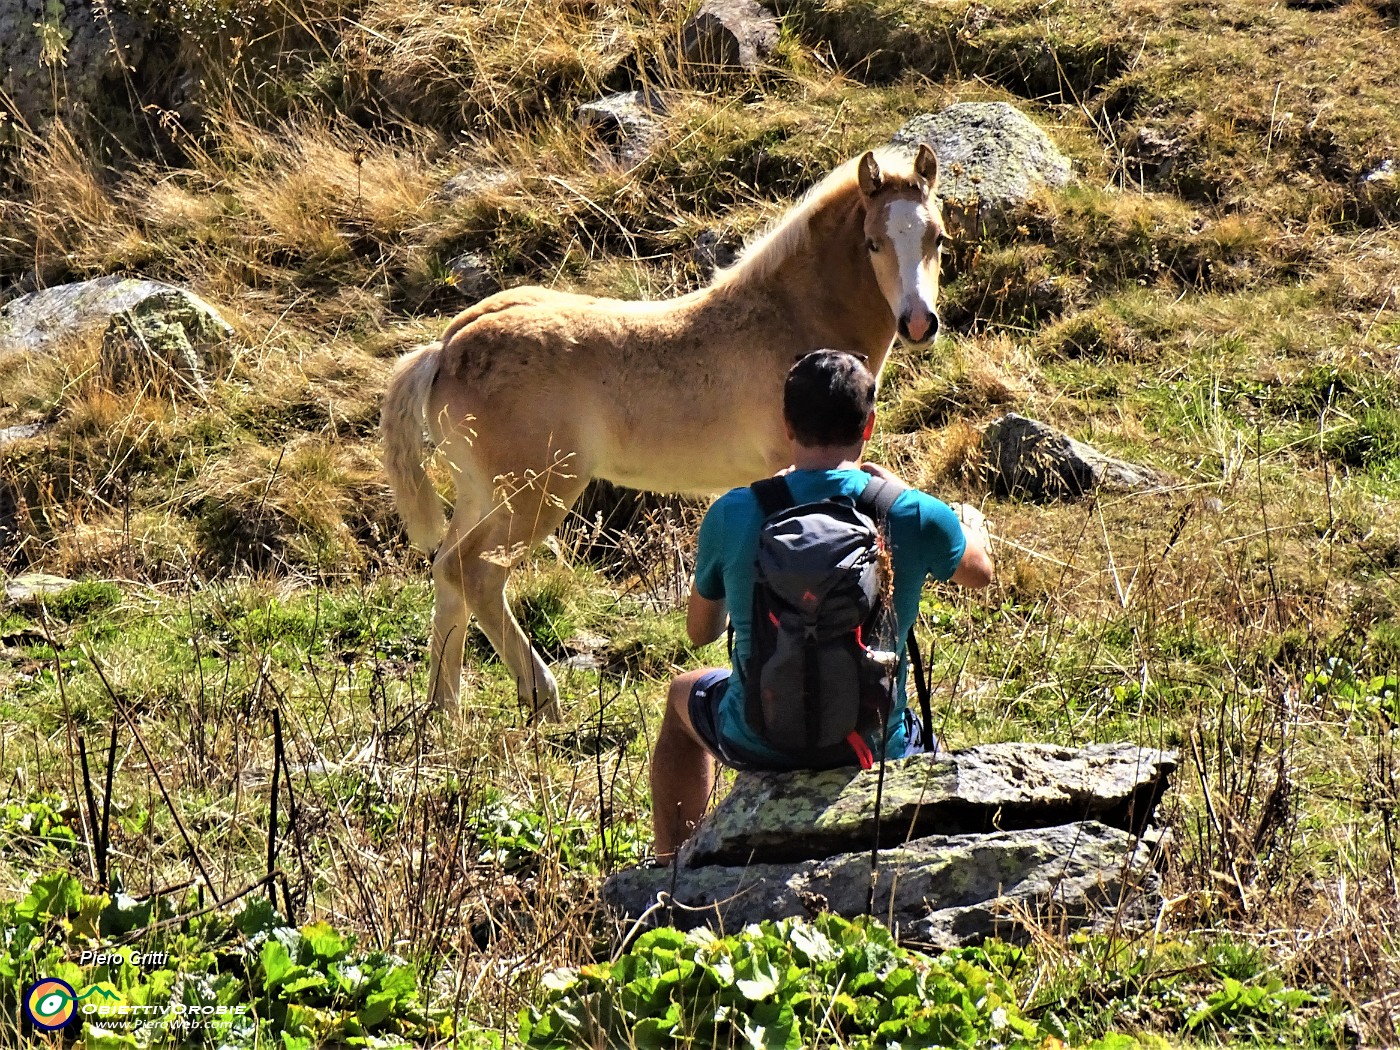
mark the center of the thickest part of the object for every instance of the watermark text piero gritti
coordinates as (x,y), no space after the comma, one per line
(144,960)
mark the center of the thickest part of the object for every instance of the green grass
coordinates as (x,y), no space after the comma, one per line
(1228,316)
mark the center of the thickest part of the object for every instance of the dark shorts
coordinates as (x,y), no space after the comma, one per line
(705,697)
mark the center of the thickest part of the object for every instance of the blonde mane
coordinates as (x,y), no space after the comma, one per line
(791,232)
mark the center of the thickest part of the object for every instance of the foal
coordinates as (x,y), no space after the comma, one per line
(532,393)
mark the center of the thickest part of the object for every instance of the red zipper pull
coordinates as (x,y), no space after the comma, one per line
(862,750)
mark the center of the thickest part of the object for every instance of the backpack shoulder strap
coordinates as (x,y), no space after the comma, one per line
(878,497)
(773,495)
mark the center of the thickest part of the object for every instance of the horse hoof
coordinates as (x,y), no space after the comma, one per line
(549,711)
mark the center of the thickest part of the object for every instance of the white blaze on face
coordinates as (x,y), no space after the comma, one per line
(906,223)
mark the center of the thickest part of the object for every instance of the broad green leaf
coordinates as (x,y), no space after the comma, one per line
(51,897)
(276,963)
(107,1039)
(257,916)
(653,1034)
(303,980)
(401,982)
(325,943)
(756,978)
(376,1009)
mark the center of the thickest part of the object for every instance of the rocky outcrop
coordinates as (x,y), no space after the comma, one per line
(154,333)
(1031,460)
(991,158)
(729,35)
(974,843)
(65,56)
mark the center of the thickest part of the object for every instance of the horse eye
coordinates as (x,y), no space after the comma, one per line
(872,247)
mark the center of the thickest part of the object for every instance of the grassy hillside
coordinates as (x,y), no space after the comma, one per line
(1217,294)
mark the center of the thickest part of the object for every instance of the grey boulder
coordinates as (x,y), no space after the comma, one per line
(809,815)
(944,891)
(991,158)
(1032,460)
(153,332)
(729,35)
(989,841)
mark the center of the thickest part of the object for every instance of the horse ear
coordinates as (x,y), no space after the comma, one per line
(926,166)
(869,174)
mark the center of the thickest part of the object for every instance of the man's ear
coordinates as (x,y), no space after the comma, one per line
(869,426)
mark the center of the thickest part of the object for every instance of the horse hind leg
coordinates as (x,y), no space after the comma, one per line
(451,615)
(480,564)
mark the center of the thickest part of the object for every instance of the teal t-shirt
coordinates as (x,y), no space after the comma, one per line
(925,540)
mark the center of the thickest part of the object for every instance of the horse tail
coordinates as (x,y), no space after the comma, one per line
(401,423)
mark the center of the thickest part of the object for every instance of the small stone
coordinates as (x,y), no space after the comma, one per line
(1153,153)
(715,251)
(472,181)
(625,123)
(472,276)
(32,586)
(19,433)
(1386,169)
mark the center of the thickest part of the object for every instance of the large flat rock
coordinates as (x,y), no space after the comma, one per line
(945,891)
(781,817)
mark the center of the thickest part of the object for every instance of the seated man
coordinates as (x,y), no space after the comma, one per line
(829,409)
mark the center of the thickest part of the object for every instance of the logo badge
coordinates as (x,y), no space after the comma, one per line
(50,1004)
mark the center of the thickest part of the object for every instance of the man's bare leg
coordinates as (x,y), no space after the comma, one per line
(682,771)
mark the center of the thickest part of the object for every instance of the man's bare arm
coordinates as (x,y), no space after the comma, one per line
(704,619)
(975,569)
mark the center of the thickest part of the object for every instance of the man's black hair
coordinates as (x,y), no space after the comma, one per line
(827,398)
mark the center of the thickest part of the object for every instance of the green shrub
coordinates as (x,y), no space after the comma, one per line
(778,984)
(84,599)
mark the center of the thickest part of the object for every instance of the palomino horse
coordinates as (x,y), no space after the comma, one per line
(532,392)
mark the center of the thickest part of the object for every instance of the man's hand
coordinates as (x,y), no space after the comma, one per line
(877,470)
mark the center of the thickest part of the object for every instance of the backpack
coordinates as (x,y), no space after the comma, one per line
(819,679)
